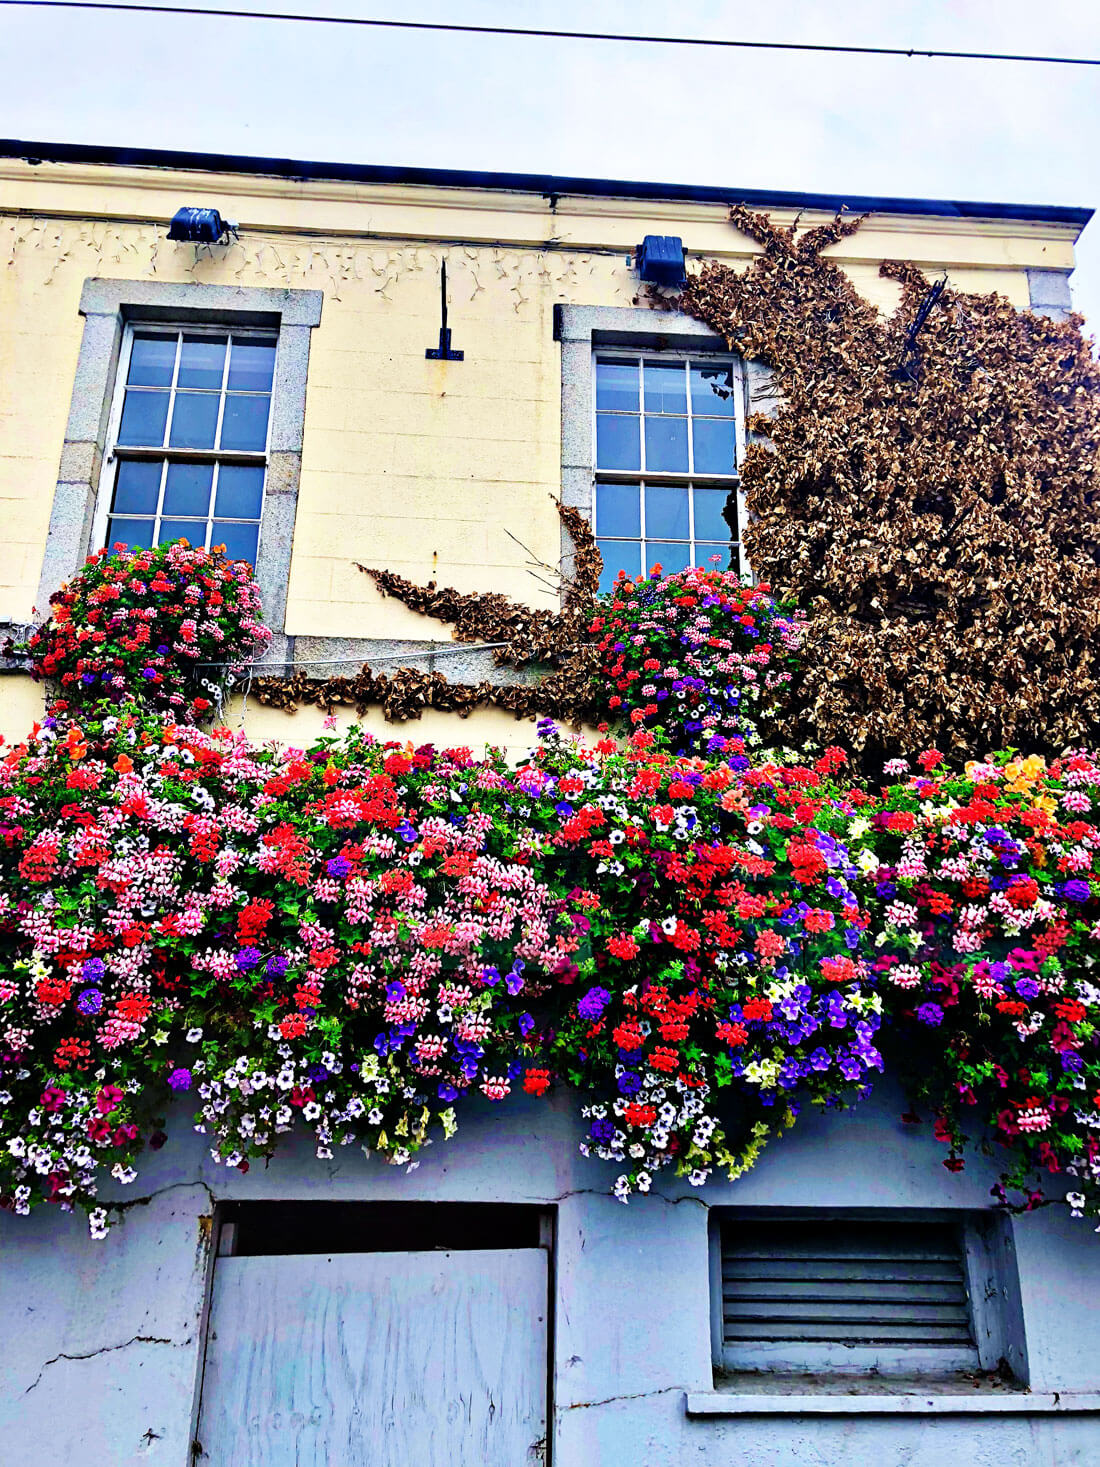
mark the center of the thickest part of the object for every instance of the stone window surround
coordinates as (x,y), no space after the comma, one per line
(578,328)
(581,331)
(108,304)
(107,307)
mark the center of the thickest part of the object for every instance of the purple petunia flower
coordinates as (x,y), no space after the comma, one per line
(592,1005)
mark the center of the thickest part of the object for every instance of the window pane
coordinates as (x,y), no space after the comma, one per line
(666,445)
(709,524)
(152,360)
(187,489)
(714,445)
(712,390)
(618,510)
(666,513)
(618,555)
(202,362)
(144,415)
(137,534)
(665,387)
(251,364)
(617,386)
(193,531)
(194,420)
(617,442)
(240,492)
(239,540)
(136,487)
(244,422)
(670,558)
(725,553)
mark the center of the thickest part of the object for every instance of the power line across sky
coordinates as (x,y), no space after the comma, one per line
(207,13)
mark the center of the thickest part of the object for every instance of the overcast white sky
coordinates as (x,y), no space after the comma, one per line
(874,125)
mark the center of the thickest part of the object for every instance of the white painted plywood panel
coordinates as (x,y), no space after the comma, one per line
(428,1359)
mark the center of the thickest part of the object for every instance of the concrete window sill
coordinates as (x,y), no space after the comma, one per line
(928,1403)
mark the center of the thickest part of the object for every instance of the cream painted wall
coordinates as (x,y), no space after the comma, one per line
(22,703)
(421,466)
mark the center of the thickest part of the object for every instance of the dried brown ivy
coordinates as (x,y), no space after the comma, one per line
(931,501)
(939,520)
(557,641)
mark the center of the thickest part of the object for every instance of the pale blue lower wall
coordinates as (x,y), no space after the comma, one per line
(101,1341)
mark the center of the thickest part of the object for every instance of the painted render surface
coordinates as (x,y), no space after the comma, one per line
(428,468)
(103,1340)
(417,465)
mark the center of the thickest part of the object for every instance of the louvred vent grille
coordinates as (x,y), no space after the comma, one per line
(849,1283)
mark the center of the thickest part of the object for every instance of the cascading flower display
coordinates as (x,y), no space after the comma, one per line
(985,902)
(697,654)
(166,623)
(356,938)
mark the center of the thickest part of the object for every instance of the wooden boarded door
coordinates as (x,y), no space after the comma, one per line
(413,1358)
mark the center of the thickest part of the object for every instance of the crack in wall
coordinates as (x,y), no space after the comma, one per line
(614,1400)
(103,1350)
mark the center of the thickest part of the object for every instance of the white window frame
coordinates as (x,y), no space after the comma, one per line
(641,477)
(115,453)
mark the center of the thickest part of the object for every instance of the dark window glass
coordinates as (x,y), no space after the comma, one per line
(251,365)
(240,491)
(137,534)
(152,360)
(705,556)
(244,422)
(618,510)
(194,420)
(714,445)
(665,387)
(618,555)
(239,540)
(617,386)
(144,415)
(670,558)
(709,523)
(187,489)
(193,531)
(617,442)
(202,362)
(711,390)
(666,445)
(666,513)
(137,486)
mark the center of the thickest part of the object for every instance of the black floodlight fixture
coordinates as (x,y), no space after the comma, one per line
(660,259)
(200,226)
